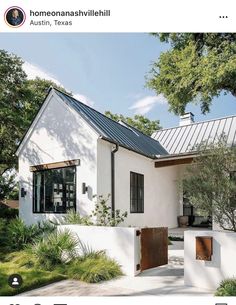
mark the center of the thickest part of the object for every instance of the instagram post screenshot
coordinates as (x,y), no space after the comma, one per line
(117,152)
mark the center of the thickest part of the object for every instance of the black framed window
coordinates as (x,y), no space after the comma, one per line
(54,190)
(136,193)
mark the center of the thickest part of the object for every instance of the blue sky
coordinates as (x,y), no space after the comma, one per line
(106,71)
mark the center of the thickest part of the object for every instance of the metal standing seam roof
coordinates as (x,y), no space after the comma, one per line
(184,139)
(113,131)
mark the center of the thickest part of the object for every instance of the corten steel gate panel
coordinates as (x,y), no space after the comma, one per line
(154,247)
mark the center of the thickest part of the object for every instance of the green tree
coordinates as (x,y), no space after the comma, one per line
(8,187)
(196,68)
(210,183)
(139,122)
(12,80)
(20,100)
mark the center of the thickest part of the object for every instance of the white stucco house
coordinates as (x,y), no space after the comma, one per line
(72,152)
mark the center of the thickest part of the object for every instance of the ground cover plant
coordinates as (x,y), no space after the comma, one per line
(227,288)
(42,255)
(21,262)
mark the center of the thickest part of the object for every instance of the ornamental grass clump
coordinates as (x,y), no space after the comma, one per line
(94,268)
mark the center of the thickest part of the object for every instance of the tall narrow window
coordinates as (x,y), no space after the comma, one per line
(136,193)
(54,190)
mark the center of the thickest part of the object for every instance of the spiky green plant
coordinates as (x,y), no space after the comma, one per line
(55,249)
(73,217)
(19,235)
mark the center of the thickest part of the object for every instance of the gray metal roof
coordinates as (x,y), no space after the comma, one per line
(184,139)
(113,131)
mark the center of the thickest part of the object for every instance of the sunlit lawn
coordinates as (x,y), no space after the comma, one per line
(21,263)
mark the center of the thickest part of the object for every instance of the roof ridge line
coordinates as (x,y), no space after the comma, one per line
(195,123)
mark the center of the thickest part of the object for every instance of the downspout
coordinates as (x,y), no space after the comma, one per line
(113,179)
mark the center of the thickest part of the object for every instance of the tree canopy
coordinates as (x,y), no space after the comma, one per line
(20,100)
(197,68)
(139,122)
(210,183)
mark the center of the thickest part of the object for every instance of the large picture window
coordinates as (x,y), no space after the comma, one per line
(54,190)
(136,193)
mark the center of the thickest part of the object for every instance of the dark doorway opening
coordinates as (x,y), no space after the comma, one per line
(195,219)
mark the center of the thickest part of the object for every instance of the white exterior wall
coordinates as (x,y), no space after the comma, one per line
(120,244)
(209,274)
(161,194)
(104,168)
(59,135)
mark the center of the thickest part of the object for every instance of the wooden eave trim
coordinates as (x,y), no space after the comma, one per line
(173,162)
(54,165)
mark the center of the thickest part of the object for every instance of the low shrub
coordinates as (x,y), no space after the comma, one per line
(3,224)
(103,214)
(8,213)
(226,288)
(3,237)
(94,269)
(176,238)
(54,249)
(19,235)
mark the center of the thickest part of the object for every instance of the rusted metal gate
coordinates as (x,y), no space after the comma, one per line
(154,247)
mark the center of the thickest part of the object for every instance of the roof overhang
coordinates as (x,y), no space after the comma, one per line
(126,147)
(171,160)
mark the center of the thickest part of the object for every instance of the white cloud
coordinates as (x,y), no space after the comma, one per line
(34,71)
(145,104)
(83,99)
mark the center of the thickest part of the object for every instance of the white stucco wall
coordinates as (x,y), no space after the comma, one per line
(209,274)
(120,244)
(161,193)
(59,135)
(104,149)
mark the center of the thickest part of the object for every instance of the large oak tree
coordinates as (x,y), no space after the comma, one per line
(196,68)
